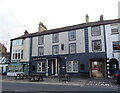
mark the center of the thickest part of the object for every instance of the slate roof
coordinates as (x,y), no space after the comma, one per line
(67,28)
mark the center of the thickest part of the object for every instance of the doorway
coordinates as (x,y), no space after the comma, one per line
(55,67)
(52,67)
(97,69)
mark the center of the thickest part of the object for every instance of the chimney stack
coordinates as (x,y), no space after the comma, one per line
(101,18)
(41,27)
(87,18)
(26,32)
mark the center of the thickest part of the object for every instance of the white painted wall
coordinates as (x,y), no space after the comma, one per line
(101,37)
(35,46)
(109,39)
(80,40)
(48,44)
(63,39)
(26,49)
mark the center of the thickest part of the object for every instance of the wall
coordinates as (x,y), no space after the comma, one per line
(101,37)
(109,39)
(63,39)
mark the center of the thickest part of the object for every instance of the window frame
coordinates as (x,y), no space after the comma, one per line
(68,63)
(53,49)
(70,36)
(92,31)
(118,44)
(93,49)
(70,48)
(54,39)
(40,40)
(39,51)
(41,66)
(117,31)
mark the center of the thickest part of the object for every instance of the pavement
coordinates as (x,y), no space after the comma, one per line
(90,82)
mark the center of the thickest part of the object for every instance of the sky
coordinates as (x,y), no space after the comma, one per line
(18,15)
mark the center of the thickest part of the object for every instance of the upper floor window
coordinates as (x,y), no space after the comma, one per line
(40,51)
(72,66)
(96,45)
(17,42)
(114,28)
(17,54)
(55,49)
(55,38)
(95,31)
(116,45)
(72,48)
(72,35)
(41,67)
(40,40)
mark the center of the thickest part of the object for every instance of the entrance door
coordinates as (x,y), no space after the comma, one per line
(97,69)
(53,68)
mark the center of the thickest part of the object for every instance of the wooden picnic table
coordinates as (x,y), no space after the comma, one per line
(20,76)
(64,77)
(35,77)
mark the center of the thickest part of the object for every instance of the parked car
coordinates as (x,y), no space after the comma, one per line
(116,76)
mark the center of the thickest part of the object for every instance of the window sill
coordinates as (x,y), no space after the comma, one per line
(115,33)
(116,51)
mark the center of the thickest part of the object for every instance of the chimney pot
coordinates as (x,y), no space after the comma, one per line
(26,32)
(101,17)
(87,18)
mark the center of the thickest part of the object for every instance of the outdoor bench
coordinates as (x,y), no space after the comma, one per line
(35,77)
(20,76)
(64,77)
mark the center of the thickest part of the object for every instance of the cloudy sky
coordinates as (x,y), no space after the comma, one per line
(18,15)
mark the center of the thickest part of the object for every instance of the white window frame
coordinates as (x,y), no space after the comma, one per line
(55,49)
(40,40)
(70,66)
(40,67)
(71,50)
(40,53)
(72,35)
(118,44)
(55,38)
(93,43)
(95,31)
(16,52)
(114,28)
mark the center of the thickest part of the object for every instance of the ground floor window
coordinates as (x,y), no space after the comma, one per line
(15,68)
(41,67)
(72,66)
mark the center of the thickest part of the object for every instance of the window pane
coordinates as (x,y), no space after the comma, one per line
(114,28)
(96,45)
(55,38)
(21,54)
(116,45)
(75,66)
(72,48)
(40,51)
(41,67)
(17,42)
(55,49)
(68,66)
(96,31)
(72,35)
(41,40)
